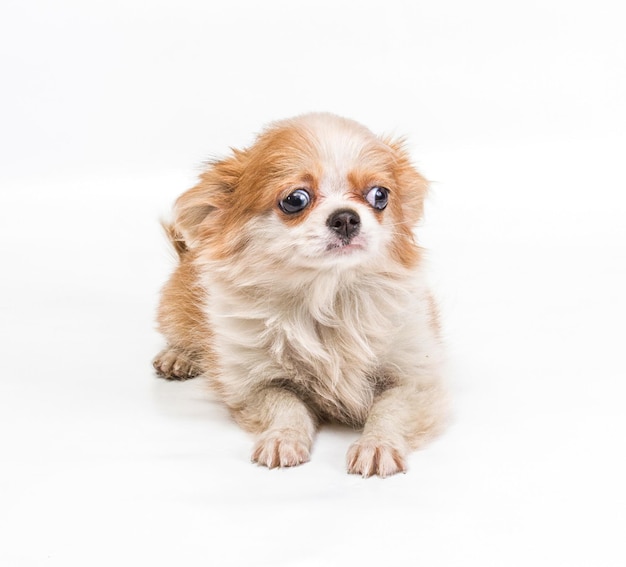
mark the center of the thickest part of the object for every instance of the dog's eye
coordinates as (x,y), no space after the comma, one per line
(378,197)
(295,202)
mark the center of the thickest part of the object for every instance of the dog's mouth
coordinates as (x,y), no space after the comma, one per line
(341,246)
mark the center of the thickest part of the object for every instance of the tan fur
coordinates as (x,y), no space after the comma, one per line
(291,324)
(181,319)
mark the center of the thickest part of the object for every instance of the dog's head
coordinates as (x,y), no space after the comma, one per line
(314,192)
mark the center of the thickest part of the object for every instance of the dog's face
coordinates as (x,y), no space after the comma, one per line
(314,192)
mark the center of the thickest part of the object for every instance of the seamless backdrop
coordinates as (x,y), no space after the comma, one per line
(514,110)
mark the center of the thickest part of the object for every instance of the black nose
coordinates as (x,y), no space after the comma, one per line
(345,222)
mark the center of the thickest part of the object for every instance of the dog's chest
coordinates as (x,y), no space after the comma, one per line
(330,344)
(336,353)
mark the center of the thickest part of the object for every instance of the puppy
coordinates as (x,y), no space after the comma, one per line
(299,294)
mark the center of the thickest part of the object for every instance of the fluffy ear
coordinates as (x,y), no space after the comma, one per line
(408,209)
(195,208)
(413,185)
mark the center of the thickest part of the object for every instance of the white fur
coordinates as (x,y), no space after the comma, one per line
(334,333)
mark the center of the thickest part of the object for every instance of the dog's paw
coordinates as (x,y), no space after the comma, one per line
(281,448)
(374,457)
(171,364)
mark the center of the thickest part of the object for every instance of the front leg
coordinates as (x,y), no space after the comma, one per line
(401,419)
(284,424)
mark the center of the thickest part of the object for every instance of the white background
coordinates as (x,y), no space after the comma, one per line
(515,111)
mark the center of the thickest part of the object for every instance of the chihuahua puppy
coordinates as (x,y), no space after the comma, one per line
(299,294)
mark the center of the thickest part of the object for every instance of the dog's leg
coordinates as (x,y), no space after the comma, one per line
(182,321)
(401,419)
(284,424)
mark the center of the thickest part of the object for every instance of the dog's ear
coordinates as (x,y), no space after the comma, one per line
(411,183)
(407,211)
(194,210)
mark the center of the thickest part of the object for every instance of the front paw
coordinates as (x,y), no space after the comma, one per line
(281,448)
(375,457)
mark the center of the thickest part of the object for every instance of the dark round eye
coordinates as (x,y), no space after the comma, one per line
(295,201)
(378,197)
